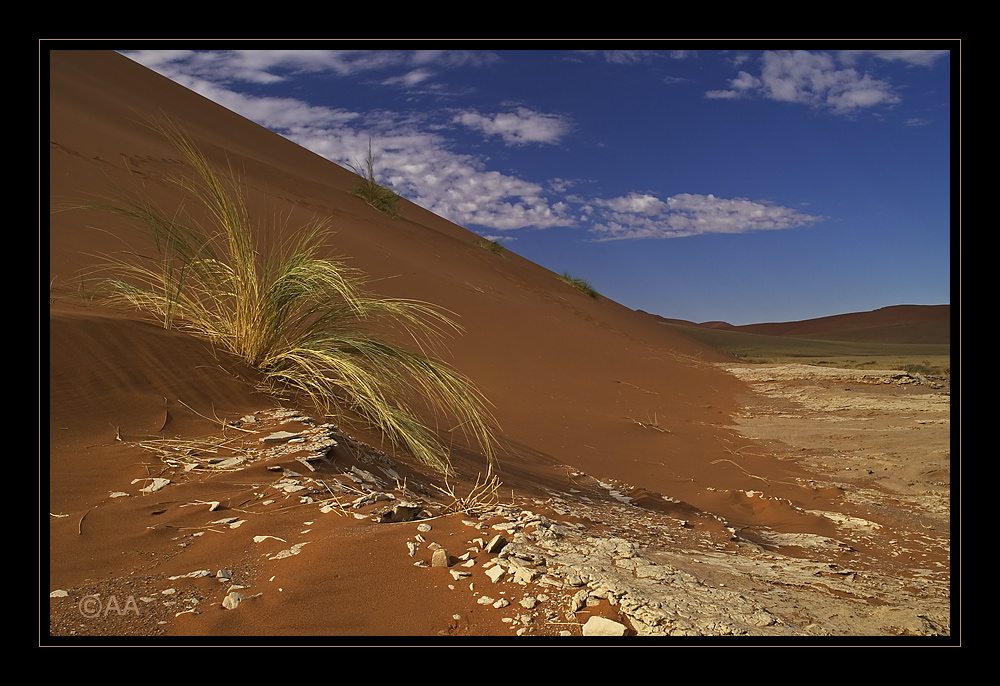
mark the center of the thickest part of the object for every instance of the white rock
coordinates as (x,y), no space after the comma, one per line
(294,550)
(280,437)
(156,485)
(496,544)
(192,575)
(599,626)
(232,601)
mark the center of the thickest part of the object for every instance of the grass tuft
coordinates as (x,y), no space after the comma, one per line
(305,321)
(371,191)
(580,284)
(490,246)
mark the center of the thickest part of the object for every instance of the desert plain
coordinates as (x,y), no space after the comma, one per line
(645,476)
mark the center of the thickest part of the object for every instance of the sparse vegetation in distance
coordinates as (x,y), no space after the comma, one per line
(922,358)
(490,246)
(371,191)
(580,284)
(304,320)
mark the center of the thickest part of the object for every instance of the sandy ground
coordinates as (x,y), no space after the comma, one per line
(881,568)
(884,442)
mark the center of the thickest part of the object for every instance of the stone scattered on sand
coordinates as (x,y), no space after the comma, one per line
(280,437)
(154,485)
(294,550)
(495,545)
(599,626)
(232,601)
(199,574)
(440,558)
(403,512)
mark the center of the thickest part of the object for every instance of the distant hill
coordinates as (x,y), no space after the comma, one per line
(894,324)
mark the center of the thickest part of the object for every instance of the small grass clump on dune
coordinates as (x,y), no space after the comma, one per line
(304,320)
(579,284)
(490,246)
(371,191)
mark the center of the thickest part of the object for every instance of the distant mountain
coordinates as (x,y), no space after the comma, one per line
(894,324)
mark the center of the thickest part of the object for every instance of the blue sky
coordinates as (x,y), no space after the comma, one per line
(744,186)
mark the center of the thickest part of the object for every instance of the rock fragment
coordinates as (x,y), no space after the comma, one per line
(599,626)
(403,512)
(154,485)
(496,544)
(232,601)
(441,558)
(280,437)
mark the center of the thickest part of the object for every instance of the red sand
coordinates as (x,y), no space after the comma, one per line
(894,324)
(567,374)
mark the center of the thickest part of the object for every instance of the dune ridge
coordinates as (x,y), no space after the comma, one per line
(892,324)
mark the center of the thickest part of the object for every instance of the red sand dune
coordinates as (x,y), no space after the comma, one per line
(894,324)
(567,374)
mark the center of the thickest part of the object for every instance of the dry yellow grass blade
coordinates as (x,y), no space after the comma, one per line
(273,299)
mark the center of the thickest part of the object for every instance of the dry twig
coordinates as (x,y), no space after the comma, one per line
(484,496)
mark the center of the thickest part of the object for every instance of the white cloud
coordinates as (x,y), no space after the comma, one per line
(923,58)
(645,216)
(624,56)
(416,164)
(409,79)
(517,128)
(420,164)
(810,78)
(270,66)
(272,113)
